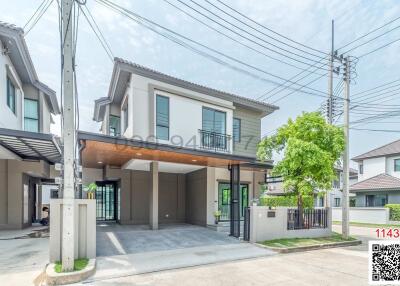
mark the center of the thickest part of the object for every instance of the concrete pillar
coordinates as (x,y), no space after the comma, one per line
(153,195)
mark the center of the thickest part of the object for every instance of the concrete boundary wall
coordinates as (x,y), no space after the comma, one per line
(363,215)
(267,224)
(85,229)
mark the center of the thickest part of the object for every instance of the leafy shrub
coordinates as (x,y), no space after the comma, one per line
(285,201)
(394,211)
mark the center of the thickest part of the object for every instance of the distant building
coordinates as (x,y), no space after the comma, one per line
(378,176)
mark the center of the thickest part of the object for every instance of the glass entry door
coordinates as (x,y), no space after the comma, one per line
(224,200)
(106,201)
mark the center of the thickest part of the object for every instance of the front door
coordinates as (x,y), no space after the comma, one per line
(224,200)
(105,201)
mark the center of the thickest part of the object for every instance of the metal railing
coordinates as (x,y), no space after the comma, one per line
(311,218)
(214,141)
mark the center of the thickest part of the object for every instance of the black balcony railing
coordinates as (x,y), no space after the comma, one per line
(214,141)
(311,218)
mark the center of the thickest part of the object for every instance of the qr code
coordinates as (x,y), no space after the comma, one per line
(384,262)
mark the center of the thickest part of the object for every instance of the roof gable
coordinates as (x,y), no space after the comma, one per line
(391,148)
(378,182)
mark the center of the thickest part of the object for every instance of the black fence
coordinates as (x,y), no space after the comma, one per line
(310,218)
(214,141)
(246,226)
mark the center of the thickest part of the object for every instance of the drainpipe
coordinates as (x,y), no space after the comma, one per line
(82,146)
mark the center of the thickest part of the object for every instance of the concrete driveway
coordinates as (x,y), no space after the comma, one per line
(337,266)
(129,250)
(21,259)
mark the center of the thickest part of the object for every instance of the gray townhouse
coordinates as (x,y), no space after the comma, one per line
(27,149)
(169,148)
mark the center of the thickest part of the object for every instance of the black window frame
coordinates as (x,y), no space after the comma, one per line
(337,202)
(30,118)
(361,168)
(168,115)
(214,111)
(235,139)
(394,165)
(14,96)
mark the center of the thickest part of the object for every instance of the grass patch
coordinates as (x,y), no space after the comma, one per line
(298,242)
(79,264)
(362,224)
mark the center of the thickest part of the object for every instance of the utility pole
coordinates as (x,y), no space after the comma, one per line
(330,82)
(345,192)
(68,136)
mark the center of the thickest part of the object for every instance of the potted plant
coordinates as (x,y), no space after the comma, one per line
(91,190)
(217,215)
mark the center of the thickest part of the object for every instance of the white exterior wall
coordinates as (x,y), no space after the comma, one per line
(264,228)
(8,119)
(16,121)
(372,167)
(185,110)
(363,215)
(390,166)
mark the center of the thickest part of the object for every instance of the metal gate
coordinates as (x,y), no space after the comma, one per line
(106,201)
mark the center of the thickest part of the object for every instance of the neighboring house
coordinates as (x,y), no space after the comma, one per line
(378,176)
(275,188)
(26,148)
(166,148)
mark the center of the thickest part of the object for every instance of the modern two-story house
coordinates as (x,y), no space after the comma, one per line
(27,150)
(170,150)
(378,176)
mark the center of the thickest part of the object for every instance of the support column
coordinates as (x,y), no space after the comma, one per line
(235,203)
(154,195)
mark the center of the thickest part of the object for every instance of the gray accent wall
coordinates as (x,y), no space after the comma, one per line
(250,132)
(393,197)
(135,196)
(196,197)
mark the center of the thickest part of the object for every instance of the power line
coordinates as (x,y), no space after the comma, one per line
(39,16)
(373,39)
(266,95)
(34,14)
(379,48)
(138,19)
(260,25)
(376,130)
(370,32)
(247,32)
(269,36)
(232,38)
(376,87)
(98,33)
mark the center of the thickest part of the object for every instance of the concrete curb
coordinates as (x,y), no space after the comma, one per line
(54,278)
(311,247)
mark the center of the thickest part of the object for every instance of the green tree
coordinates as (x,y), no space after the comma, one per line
(311,147)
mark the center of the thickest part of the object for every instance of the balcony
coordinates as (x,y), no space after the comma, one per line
(214,141)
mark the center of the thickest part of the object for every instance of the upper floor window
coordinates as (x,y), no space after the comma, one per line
(396,165)
(214,121)
(162,117)
(11,95)
(361,169)
(31,115)
(115,125)
(237,130)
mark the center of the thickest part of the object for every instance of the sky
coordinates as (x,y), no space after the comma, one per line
(306,21)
